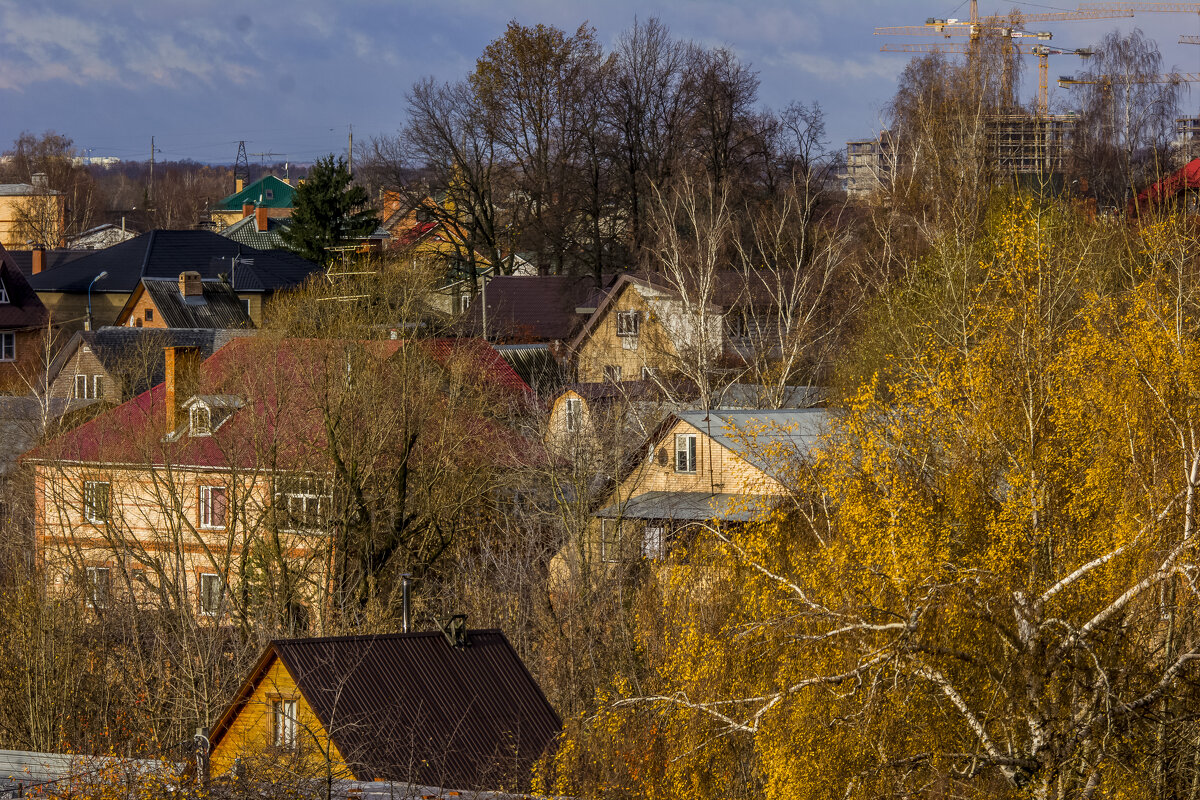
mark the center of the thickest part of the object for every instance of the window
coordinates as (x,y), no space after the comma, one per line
(610,540)
(246,305)
(283,716)
(200,420)
(87,389)
(612,373)
(649,373)
(211,589)
(654,541)
(213,504)
(8,347)
(685,452)
(97,586)
(573,414)
(149,315)
(95,500)
(3,293)
(304,503)
(628,323)
(270,194)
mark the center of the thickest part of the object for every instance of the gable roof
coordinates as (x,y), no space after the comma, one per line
(166,253)
(799,429)
(246,231)
(280,191)
(411,707)
(217,306)
(24,309)
(541,308)
(137,353)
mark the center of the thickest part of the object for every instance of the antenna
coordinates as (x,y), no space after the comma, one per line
(241,167)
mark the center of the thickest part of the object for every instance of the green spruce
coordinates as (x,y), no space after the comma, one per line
(328,212)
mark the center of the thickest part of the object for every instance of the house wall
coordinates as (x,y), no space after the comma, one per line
(9,207)
(154,525)
(84,362)
(23,374)
(223,219)
(251,734)
(138,313)
(718,469)
(652,347)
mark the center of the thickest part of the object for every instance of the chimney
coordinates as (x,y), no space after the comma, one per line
(238,185)
(40,180)
(180,363)
(247,209)
(189,284)
(260,219)
(39,258)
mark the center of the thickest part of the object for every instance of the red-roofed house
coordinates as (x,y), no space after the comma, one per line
(270,476)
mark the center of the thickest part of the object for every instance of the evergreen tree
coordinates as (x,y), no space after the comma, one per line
(328,212)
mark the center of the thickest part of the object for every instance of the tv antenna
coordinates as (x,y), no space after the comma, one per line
(262,157)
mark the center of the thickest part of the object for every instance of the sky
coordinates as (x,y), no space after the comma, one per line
(292,78)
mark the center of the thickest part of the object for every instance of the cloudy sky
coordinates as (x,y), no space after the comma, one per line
(290,78)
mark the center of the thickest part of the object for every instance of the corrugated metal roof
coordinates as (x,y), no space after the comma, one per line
(268,191)
(218,305)
(246,231)
(410,707)
(690,506)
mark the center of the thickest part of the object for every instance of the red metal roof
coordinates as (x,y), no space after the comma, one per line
(1187,177)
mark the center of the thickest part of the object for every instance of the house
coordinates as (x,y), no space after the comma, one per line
(455,709)
(101,236)
(23,330)
(274,195)
(161,496)
(186,302)
(1179,189)
(36,203)
(254,274)
(642,329)
(258,229)
(698,466)
(116,363)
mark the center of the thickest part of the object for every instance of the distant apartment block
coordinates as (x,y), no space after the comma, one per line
(866,164)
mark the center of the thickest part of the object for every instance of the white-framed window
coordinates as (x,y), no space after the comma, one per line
(214,505)
(3,292)
(649,373)
(211,591)
(612,373)
(304,503)
(89,386)
(610,540)
(654,541)
(629,323)
(685,452)
(283,718)
(200,420)
(8,346)
(96,500)
(573,414)
(98,584)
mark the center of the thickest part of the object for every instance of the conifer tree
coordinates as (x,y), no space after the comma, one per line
(328,212)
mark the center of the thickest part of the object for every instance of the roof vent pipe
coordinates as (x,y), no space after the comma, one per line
(404,598)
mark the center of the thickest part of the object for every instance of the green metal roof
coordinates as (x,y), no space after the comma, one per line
(246,231)
(268,191)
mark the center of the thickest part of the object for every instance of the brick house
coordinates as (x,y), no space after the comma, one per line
(23,320)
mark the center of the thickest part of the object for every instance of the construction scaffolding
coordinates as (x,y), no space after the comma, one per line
(1021,144)
(1187,139)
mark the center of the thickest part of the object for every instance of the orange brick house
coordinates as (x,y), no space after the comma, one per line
(23,320)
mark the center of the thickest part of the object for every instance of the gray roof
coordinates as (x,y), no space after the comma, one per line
(24,190)
(690,506)
(218,306)
(21,770)
(799,429)
(246,231)
(22,419)
(750,395)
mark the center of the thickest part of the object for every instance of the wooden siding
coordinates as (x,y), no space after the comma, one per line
(251,733)
(718,469)
(604,348)
(85,363)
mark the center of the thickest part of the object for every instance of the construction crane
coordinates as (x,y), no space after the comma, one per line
(1042,52)
(974,25)
(1168,8)
(1189,39)
(1109,80)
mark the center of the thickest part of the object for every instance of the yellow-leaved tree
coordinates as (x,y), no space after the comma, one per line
(983,584)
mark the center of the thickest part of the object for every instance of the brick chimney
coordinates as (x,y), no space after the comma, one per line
(260,219)
(189,284)
(180,380)
(247,209)
(238,185)
(39,258)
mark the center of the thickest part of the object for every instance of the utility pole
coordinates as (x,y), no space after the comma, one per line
(350,150)
(151,194)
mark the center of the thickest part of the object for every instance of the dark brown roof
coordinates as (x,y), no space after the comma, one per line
(217,306)
(24,310)
(411,707)
(541,308)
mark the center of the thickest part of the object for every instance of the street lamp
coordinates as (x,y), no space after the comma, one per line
(101,276)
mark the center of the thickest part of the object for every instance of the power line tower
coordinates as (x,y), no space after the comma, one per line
(241,167)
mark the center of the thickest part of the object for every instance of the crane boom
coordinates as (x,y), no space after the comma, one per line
(1189,39)
(1171,8)
(1168,77)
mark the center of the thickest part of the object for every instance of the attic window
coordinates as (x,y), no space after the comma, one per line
(200,420)
(270,194)
(3,293)
(629,323)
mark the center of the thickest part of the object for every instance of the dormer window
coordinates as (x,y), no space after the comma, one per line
(3,292)
(201,420)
